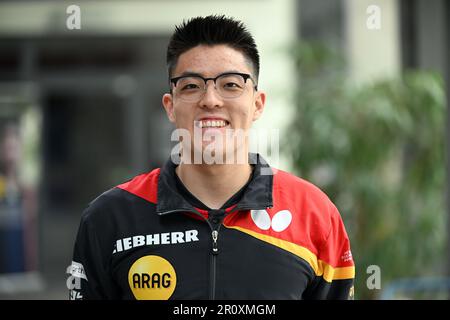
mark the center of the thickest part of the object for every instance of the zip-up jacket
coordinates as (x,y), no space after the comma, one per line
(283,239)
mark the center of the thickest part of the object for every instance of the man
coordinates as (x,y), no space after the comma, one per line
(213,224)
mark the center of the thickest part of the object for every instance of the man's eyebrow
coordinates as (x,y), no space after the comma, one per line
(197,74)
(190,73)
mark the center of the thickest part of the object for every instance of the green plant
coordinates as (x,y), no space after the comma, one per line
(378,152)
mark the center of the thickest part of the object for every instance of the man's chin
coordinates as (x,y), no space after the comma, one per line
(212,154)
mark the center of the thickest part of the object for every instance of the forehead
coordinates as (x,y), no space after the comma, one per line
(212,60)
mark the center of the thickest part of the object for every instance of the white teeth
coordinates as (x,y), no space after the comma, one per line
(212,124)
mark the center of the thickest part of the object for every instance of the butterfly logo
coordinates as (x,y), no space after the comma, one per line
(280,221)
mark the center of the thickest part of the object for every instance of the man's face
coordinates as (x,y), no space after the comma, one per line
(226,113)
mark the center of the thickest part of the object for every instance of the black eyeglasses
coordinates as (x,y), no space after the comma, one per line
(192,88)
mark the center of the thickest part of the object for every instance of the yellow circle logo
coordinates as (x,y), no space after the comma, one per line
(152,278)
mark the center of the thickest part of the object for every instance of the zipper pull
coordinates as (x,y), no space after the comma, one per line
(215,235)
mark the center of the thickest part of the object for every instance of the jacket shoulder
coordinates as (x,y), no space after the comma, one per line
(300,189)
(313,208)
(143,186)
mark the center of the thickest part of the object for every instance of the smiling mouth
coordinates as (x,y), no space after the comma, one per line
(212,123)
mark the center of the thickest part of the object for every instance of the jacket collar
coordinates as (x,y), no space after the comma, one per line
(257,195)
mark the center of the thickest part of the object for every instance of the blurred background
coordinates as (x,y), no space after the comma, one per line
(356,87)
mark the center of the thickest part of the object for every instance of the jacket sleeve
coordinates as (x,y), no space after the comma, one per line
(336,270)
(89,275)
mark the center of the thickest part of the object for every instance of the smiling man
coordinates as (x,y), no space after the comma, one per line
(218,227)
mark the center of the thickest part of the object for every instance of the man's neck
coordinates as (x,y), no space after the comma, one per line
(213,185)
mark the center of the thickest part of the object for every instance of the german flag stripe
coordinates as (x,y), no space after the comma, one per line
(321,268)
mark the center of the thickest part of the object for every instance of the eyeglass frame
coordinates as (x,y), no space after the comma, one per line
(245,76)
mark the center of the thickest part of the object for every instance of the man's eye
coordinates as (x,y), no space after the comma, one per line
(231,85)
(190,86)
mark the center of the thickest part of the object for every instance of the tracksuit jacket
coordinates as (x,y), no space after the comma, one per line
(282,239)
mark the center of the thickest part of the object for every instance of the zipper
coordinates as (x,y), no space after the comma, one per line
(214,252)
(215,236)
(212,292)
(215,247)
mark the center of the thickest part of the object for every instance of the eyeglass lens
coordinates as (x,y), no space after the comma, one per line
(193,88)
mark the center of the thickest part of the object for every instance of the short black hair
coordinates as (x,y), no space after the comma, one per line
(212,30)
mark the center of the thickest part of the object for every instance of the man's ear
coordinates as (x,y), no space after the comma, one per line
(167,102)
(260,101)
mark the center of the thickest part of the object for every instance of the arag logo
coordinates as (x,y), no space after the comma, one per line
(152,278)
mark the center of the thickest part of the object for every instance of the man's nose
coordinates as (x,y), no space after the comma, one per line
(211,97)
